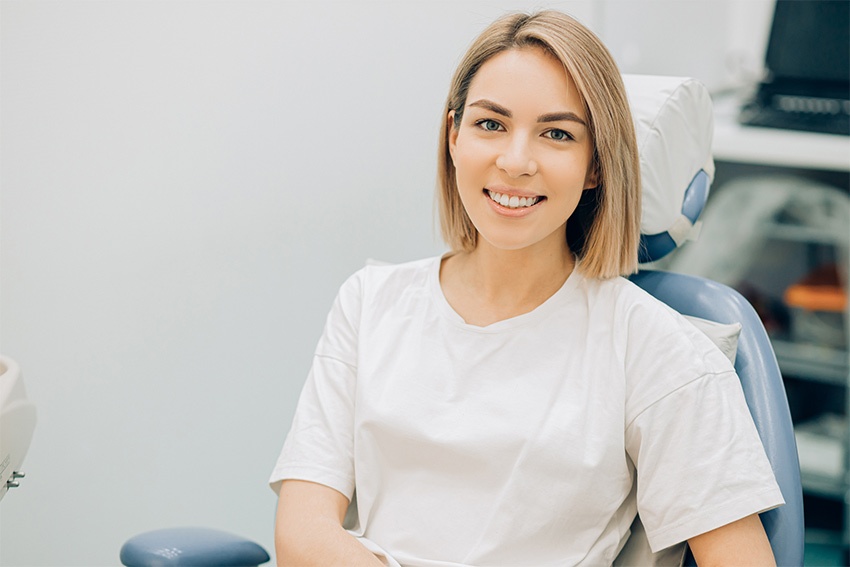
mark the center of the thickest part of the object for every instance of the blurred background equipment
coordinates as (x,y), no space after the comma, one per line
(807,82)
(17,423)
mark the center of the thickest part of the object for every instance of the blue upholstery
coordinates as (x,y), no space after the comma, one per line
(184,547)
(762,383)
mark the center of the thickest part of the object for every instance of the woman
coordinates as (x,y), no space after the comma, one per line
(516,402)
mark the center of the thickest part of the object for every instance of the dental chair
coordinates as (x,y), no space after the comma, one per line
(17,424)
(674,124)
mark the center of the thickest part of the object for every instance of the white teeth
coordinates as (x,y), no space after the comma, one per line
(512,202)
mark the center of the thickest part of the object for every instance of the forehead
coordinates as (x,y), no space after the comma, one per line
(526,76)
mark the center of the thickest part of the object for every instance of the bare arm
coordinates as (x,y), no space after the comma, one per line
(308,529)
(739,543)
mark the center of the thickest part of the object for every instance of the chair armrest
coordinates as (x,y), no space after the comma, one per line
(191,546)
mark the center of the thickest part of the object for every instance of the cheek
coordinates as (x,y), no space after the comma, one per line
(573,169)
(470,157)
(464,165)
(470,178)
(467,186)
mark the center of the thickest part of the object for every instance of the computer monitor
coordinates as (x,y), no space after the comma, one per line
(807,85)
(809,47)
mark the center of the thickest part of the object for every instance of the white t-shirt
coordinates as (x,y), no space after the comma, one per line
(531,441)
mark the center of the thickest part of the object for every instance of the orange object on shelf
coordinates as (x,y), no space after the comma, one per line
(821,290)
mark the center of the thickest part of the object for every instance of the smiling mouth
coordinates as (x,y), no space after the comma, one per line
(513,202)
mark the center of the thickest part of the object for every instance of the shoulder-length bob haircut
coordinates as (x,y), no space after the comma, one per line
(604,231)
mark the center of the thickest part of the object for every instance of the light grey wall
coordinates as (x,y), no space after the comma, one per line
(184,186)
(720,42)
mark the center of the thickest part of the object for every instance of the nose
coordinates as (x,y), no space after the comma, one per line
(517,159)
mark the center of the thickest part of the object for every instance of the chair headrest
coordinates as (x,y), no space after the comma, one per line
(674,123)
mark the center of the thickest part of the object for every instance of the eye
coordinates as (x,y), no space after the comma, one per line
(489,125)
(559,135)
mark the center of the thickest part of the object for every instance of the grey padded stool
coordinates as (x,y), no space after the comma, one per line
(185,547)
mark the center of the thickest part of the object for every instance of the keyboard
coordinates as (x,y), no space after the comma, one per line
(809,114)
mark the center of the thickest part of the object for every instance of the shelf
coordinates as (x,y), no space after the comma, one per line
(825,486)
(812,361)
(772,146)
(798,233)
(822,458)
(817,536)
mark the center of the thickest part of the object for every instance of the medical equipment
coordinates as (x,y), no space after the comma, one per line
(17,423)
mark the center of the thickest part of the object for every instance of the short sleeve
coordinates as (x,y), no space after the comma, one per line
(700,462)
(699,458)
(320,444)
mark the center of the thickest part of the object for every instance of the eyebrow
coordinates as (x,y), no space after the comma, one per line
(550,117)
(558,116)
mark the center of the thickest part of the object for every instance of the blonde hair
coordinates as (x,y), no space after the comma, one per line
(604,230)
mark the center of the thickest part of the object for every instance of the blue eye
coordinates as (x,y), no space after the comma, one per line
(489,125)
(559,135)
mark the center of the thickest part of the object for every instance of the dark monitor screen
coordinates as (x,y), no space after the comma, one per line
(810,40)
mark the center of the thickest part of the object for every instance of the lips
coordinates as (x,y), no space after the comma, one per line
(513,201)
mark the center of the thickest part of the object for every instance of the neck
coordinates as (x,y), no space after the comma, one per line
(489,285)
(518,275)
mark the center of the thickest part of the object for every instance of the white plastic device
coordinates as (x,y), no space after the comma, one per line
(17,424)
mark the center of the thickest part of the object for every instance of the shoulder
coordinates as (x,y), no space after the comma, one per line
(651,334)
(644,309)
(377,275)
(378,283)
(371,293)
(626,302)
(665,351)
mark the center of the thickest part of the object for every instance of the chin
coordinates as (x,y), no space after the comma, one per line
(507,244)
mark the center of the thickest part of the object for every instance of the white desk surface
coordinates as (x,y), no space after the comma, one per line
(772,146)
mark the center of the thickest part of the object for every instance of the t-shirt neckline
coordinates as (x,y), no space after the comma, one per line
(541,311)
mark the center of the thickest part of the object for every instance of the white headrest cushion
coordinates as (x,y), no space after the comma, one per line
(674,124)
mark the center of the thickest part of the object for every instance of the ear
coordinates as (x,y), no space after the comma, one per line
(453,132)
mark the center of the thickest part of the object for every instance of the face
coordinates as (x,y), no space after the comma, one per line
(522,152)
